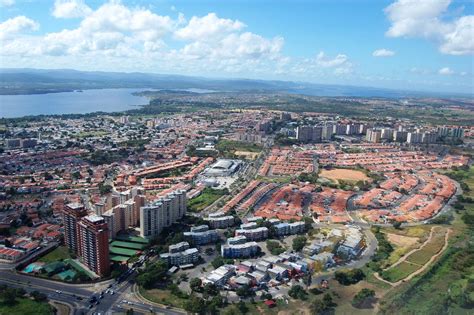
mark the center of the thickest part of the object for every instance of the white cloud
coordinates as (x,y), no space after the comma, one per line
(327,62)
(6,3)
(460,40)
(383,53)
(15,26)
(69,9)
(446,71)
(423,18)
(208,27)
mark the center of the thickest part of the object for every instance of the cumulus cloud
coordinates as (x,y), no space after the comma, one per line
(208,28)
(6,3)
(383,53)
(127,38)
(68,9)
(17,25)
(327,62)
(446,71)
(424,18)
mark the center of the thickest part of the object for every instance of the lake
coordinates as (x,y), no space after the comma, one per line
(88,101)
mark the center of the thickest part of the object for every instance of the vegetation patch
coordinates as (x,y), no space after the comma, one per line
(399,272)
(60,253)
(227,148)
(205,199)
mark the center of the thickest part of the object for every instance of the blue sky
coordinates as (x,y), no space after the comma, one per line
(401,44)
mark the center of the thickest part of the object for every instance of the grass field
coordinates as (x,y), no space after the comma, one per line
(25,306)
(205,199)
(344,174)
(59,253)
(446,287)
(162,297)
(229,147)
(399,272)
(429,250)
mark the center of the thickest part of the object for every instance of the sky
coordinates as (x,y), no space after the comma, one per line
(425,45)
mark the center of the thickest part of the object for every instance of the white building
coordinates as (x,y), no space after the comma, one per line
(162,213)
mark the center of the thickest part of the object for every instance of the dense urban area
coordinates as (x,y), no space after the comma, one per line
(218,203)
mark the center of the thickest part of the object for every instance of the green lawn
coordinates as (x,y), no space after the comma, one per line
(59,253)
(228,147)
(26,306)
(444,288)
(205,199)
(162,297)
(429,250)
(399,272)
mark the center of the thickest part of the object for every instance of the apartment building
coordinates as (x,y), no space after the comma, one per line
(201,235)
(248,249)
(256,234)
(373,135)
(219,220)
(72,214)
(284,228)
(180,254)
(309,133)
(162,213)
(93,244)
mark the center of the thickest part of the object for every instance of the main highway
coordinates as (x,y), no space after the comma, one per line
(77,296)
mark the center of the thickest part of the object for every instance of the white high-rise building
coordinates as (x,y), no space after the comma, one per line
(162,213)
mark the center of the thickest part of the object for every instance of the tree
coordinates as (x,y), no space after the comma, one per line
(363,297)
(245,291)
(349,277)
(327,300)
(38,296)
(317,307)
(217,262)
(153,273)
(297,292)
(195,305)
(298,243)
(9,296)
(242,307)
(274,247)
(210,289)
(397,224)
(195,284)
(130,311)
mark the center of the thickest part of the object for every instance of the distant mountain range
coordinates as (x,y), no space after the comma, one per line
(40,81)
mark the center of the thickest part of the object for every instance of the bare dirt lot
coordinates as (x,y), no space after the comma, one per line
(344,174)
(247,154)
(402,241)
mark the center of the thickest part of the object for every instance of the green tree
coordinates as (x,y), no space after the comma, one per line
(217,262)
(195,284)
(317,307)
(195,305)
(9,296)
(349,277)
(362,297)
(298,243)
(297,292)
(153,274)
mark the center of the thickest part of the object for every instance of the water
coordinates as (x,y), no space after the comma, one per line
(88,101)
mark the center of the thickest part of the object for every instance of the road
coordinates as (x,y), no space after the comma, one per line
(77,296)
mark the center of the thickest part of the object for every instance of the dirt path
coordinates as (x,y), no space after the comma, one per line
(423,267)
(404,257)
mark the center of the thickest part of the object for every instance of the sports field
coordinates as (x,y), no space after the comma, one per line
(344,174)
